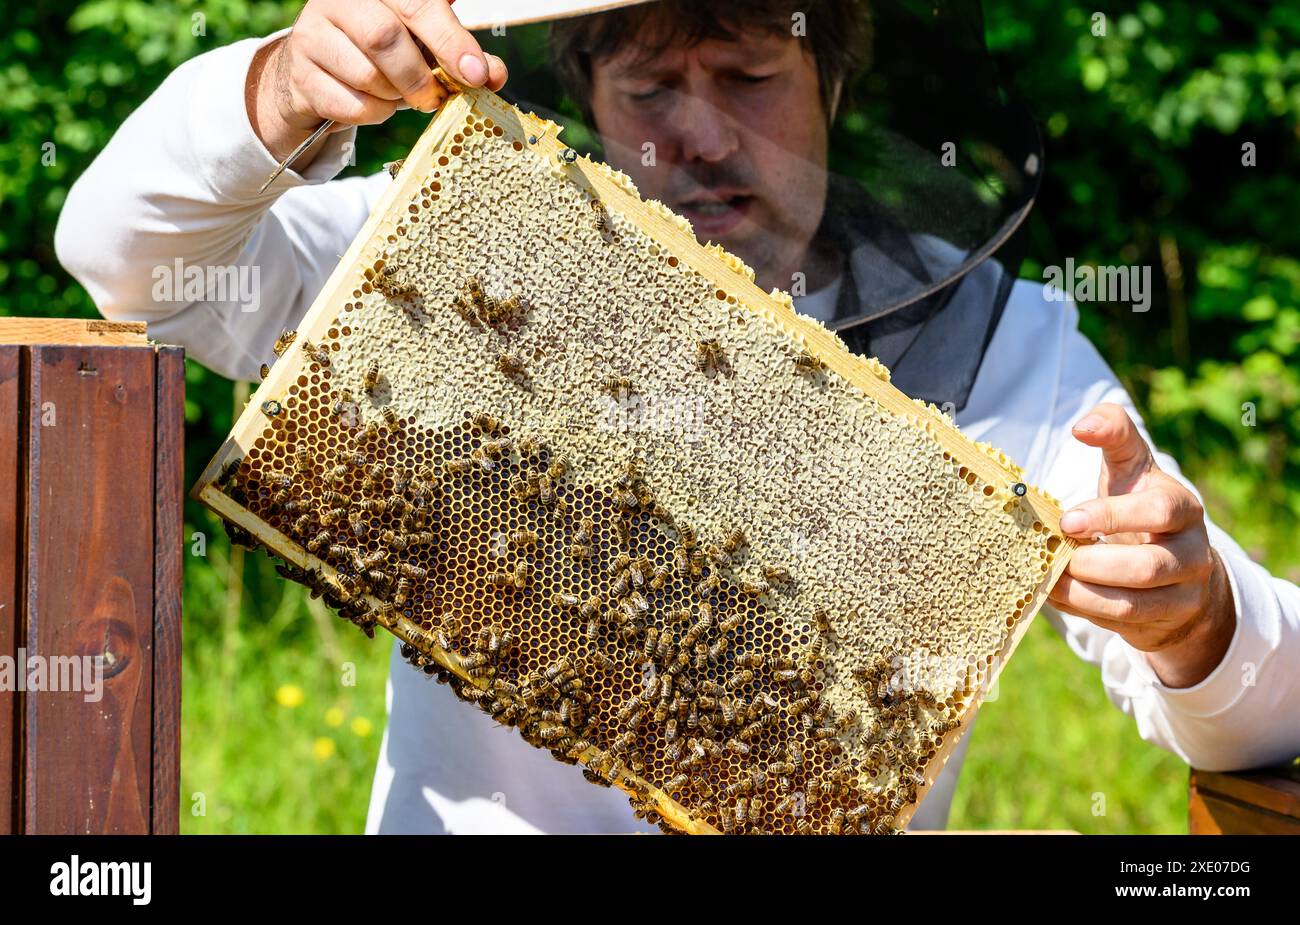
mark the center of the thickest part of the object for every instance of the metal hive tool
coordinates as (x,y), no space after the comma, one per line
(630,504)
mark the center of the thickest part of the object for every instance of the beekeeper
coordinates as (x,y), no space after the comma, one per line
(729,112)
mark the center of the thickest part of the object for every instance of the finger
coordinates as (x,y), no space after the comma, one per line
(1184,557)
(1126,630)
(333,99)
(441,32)
(383,37)
(1124,607)
(336,53)
(1166,507)
(1109,428)
(497,73)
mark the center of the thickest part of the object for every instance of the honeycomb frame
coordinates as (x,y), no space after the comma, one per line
(853,780)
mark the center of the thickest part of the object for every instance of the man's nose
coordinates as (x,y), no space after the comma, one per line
(707,133)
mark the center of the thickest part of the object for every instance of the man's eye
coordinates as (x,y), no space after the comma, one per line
(644,95)
(755,78)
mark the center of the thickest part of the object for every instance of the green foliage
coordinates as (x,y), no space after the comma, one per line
(1145,128)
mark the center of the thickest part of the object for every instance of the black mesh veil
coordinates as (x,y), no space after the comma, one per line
(929,167)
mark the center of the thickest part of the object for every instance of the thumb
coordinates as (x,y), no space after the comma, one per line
(1125,454)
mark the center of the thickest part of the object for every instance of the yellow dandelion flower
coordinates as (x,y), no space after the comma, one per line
(362,726)
(289,695)
(322,748)
(334,717)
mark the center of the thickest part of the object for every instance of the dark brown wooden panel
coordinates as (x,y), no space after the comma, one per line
(169,543)
(11,520)
(1213,814)
(89,586)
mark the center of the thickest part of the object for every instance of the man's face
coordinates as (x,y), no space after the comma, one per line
(739,135)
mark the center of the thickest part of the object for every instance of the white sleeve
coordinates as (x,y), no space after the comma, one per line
(172,199)
(1246,713)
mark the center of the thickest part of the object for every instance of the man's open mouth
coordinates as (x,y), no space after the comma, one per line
(716,213)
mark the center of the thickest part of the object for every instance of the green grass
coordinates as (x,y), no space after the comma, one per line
(273,739)
(1052,742)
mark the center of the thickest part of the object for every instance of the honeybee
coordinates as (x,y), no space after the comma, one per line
(776,574)
(510,364)
(302,524)
(522,573)
(717,556)
(545,489)
(739,679)
(402,593)
(263,371)
(409,570)
(602,214)
(483,460)
(733,540)
(526,539)
(617,385)
(581,551)
(474,286)
(394,167)
(371,377)
(460,466)
(708,354)
(756,587)
(319,540)
(485,423)
(528,447)
(338,474)
(559,466)
(822,621)
(283,341)
(319,355)
(387,615)
(808,364)
(465,309)
(386,281)
(390,419)
(507,307)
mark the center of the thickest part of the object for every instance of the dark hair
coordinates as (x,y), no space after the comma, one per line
(837,33)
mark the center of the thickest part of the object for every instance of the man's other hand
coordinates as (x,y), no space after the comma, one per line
(1152,577)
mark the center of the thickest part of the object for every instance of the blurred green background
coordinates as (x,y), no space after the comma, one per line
(284,704)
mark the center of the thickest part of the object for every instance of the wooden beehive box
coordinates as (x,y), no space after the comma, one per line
(90,566)
(1261,802)
(627,502)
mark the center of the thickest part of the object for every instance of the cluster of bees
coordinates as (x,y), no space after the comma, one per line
(477,307)
(704,698)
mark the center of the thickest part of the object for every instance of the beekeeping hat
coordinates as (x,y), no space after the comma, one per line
(932,168)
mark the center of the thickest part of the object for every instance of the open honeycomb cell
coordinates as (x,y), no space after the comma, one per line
(627,503)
